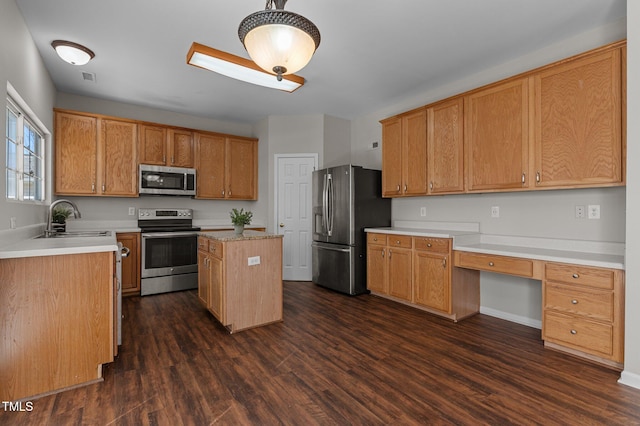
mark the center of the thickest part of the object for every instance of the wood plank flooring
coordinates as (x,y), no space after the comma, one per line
(335,360)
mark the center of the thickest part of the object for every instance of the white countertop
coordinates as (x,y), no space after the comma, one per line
(58,246)
(587,253)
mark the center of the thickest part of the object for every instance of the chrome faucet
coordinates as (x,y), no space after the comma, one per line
(76,213)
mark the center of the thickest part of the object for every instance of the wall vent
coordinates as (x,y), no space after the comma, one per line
(88,76)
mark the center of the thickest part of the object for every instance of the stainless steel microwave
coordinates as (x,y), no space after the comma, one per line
(162,180)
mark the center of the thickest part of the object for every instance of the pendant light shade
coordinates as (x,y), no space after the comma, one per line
(278,41)
(73,53)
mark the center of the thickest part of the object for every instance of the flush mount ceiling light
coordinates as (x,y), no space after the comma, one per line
(73,53)
(278,41)
(239,68)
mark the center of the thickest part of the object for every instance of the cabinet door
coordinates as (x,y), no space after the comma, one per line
(242,169)
(414,153)
(431,284)
(391,157)
(118,145)
(76,138)
(496,137)
(204,278)
(210,159)
(446,147)
(578,131)
(180,148)
(131,263)
(216,291)
(377,269)
(152,144)
(400,277)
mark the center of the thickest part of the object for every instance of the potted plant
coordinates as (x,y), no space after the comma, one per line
(240,218)
(59,217)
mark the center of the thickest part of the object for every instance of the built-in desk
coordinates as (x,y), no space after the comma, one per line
(582,283)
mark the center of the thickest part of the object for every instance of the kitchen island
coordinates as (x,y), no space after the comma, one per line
(56,314)
(240,277)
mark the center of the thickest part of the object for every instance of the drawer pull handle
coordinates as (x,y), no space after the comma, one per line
(574,332)
(490,263)
(428,244)
(574,301)
(397,241)
(382,251)
(576,276)
(444,262)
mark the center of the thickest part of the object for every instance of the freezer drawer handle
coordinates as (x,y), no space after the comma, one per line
(331,248)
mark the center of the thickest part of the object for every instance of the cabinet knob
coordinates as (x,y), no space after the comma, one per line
(574,302)
(375,238)
(397,241)
(428,244)
(282,225)
(576,276)
(490,263)
(574,331)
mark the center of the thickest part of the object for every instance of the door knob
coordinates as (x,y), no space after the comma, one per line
(282,225)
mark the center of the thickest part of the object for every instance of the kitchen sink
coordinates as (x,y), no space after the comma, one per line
(76,234)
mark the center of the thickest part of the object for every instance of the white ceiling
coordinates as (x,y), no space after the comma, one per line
(372,52)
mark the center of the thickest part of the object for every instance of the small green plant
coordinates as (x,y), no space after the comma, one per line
(60,214)
(240,217)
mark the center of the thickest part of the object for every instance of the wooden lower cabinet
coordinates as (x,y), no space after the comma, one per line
(57,322)
(418,271)
(583,312)
(130,264)
(237,294)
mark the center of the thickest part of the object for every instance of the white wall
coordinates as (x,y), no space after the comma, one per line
(631,373)
(22,66)
(543,214)
(337,141)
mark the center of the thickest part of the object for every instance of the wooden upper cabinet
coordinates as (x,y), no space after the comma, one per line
(242,169)
(496,135)
(76,151)
(118,158)
(210,158)
(578,120)
(152,143)
(165,146)
(227,167)
(391,157)
(180,148)
(445,143)
(404,155)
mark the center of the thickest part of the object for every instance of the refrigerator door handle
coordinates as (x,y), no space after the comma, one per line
(324,204)
(324,247)
(329,204)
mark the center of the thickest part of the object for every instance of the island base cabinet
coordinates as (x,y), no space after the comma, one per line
(243,287)
(56,322)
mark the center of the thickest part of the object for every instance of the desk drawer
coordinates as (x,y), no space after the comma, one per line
(580,333)
(403,241)
(494,263)
(378,239)
(215,247)
(593,304)
(437,245)
(576,274)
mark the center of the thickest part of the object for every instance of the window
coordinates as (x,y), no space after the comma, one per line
(25,157)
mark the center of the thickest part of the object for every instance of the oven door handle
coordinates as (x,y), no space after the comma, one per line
(169,234)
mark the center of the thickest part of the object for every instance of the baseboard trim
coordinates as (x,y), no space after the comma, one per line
(630,379)
(529,322)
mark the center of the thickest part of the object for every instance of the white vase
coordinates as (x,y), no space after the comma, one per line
(239,229)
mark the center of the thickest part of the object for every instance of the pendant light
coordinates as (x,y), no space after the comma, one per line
(73,53)
(278,41)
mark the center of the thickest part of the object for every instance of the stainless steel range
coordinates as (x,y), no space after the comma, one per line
(169,250)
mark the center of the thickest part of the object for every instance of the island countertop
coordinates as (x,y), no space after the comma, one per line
(224,236)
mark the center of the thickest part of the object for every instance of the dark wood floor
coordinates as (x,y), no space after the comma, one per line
(334,360)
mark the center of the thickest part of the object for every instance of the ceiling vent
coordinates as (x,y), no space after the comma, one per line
(88,76)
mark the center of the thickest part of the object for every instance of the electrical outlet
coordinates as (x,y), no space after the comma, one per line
(423,211)
(254,260)
(495,211)
(594,211)
(12,222)
(132,211)
(580,212)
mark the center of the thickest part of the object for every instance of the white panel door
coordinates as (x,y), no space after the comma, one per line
(294,192)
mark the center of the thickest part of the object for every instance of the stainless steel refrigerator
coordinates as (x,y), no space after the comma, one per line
(346,200)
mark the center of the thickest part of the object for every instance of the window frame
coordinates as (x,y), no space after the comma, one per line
(25,118)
